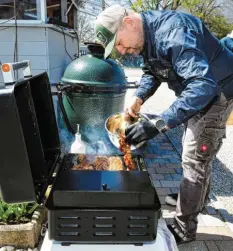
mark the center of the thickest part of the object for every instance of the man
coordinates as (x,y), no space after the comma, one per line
(228,41)
(178,49)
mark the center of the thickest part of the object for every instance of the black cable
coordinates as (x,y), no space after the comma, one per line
(76,33)
(16,38)
(10,18)
(65,43)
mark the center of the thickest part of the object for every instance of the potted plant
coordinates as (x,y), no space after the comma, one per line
(20,224)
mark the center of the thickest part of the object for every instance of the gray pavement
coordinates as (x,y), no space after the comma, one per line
(162,154)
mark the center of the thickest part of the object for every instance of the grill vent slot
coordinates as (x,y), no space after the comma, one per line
(138,234)
(104,218)
(138,226)
(68,218)
(103,234)
(69,226)
(68,234)
(104,226)
(139,218)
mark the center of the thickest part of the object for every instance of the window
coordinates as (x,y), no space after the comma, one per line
(54,9)
(25,9)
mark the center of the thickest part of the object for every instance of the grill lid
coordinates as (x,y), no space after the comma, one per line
(30,143)
(93,69)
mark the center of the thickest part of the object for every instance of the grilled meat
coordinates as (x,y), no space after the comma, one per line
(101,163)
(125,148)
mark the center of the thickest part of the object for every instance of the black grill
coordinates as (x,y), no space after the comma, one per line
(88,206)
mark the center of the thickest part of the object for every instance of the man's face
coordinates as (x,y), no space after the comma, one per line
(129,38)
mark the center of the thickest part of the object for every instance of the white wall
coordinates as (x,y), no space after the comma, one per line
(42,45)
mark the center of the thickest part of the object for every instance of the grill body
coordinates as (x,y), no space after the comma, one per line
(103,206)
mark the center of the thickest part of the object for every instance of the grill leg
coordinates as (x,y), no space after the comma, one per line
(65,243)
(138,244)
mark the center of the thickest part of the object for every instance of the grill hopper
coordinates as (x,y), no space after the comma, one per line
(106,189)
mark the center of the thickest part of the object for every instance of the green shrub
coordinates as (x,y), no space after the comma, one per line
(16,213)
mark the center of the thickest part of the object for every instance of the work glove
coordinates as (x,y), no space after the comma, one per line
(140,131)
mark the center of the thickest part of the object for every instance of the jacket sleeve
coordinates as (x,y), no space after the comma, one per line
(184,49)
(148,85)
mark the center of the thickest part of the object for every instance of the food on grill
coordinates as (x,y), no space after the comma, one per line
(83,166)
(125,148)
(100,163)
(115,164)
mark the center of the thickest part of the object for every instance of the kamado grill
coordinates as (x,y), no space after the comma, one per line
(92,199)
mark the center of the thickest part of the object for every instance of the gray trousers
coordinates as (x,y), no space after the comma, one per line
(201,141)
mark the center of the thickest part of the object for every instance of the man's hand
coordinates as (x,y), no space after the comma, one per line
(140,131)
(134,107)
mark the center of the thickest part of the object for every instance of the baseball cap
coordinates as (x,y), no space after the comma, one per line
(106,26)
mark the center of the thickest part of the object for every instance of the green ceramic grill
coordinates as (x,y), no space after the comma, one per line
(91,90)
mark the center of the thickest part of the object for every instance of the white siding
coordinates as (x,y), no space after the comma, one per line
(43,46)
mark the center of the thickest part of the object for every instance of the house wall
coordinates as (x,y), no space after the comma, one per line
(58,59)
(43,45)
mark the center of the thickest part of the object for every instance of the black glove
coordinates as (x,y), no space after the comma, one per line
(140,131)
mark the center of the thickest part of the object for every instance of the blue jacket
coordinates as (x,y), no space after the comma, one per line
(180,50)
(228,42)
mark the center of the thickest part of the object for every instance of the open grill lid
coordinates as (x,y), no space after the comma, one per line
(29,139)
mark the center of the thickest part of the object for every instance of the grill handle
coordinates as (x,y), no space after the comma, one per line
(66,120)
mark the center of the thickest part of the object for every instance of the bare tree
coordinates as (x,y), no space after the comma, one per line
(85,28)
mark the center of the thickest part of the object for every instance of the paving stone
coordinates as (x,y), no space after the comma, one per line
(214,233)
(165,156)
(162,200)
(212,221)
(156,183)
(155,165)
(175,189)
(193,246)
(164,170)
(167,144)
(225,215)
(176,156)
(228,235)
(224,245)
(151,170)
(211,245)
(156,176)
(176,177)
(179,170)
(167,177)
(162,160)
(175,161)
(173,165)
(163,147)
(163,191)
(210,210)
(200,221)
(148,161)
(230,226)
(150,150)
(165,183)
(151,155)
(163,152)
